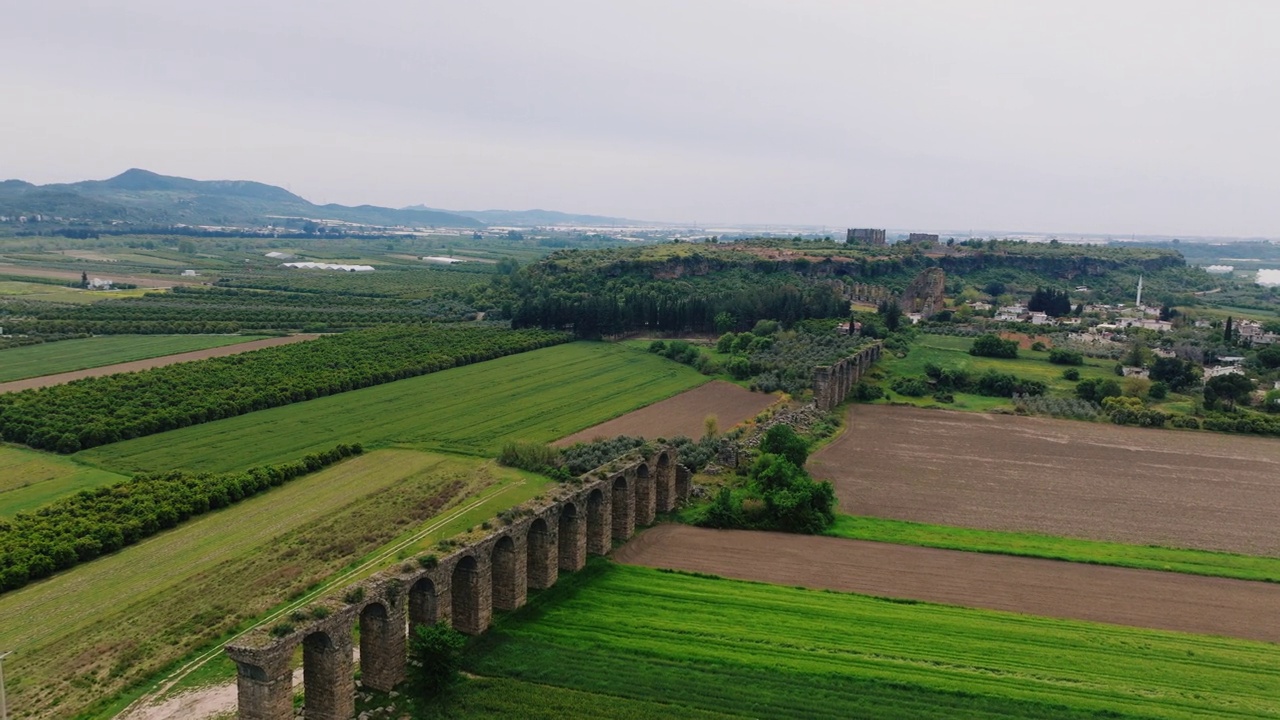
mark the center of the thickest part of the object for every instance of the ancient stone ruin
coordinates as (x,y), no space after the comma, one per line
(833,383)
(873,294)
(924,294)
(493,571)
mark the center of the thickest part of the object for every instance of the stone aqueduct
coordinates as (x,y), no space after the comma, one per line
(833,383)
(494,571)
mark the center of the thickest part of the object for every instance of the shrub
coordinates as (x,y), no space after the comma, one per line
(782,440)
(435,655)
(994,346)
(1039,346)
(531,456)
(864,392)
(911,386)
(1158,391)
(354,595)
(1062,356)
(281,629)
(1071,374)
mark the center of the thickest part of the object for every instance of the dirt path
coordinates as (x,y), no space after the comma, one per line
(1203,490)
(136,365)
(683,414)
(1141,598)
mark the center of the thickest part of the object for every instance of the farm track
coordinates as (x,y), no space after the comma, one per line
(1123,596)
(683,414)
(1181,489)
(147,364)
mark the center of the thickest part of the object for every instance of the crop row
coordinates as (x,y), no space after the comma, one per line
(94,522)
(102,410)
(757,650)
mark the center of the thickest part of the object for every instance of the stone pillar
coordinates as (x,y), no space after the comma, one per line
(599,523)
(540,554)
(572,536)
(264,683)
(646,502)
(623,511)
(510,574)
(684,479)
(382,645)
(329,682)
(470,595)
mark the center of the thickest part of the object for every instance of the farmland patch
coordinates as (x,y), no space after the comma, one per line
(68,355)
(29,479)
(683,414)
(538,396)
(753,650)
(1088,480)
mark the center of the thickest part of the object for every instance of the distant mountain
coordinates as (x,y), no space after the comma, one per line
(146,198)
(538,218)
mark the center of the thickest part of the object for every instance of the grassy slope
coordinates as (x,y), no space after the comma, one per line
(69,355)
(1194,562)
(540,396)
(757,650)
(118,620)
(953,352)
(30,478)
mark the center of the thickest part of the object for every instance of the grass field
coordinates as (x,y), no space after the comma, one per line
(538,396)
(953,352)
(29,478)
(53,293)
(1193,562)
(752,650)
(68,355)
(93,631)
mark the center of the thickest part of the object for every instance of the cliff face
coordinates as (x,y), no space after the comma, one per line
(924,293)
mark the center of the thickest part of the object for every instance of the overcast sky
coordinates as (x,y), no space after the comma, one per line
(1104,117)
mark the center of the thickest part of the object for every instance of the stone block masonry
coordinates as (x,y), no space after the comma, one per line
(490,572)
(833,383)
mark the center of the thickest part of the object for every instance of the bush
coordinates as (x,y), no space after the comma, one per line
(531,456)
(1038,346)
(1158,391)
(911,386)
(864,392)
(993,346)
(435,655)
(1096,390)
(1071,374)
(1062,356)
(782,440)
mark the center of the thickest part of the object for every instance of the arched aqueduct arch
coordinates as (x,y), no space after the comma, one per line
(489,572)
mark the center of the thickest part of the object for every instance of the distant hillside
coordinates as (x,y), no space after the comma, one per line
(538,218)
(147,198)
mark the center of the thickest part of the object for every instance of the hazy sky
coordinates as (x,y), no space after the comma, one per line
(1113,116)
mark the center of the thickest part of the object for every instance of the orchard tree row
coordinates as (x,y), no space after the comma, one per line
(102,410)
(96,522)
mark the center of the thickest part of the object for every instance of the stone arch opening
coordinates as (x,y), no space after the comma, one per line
(572,536)
(539,561)
(598,525)
(382,647)
(507,577)
(327,678)
(424,608)
(646,502)
(624,524)
(468,597)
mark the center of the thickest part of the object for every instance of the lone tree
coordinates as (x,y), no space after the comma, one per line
(435,654)
(84,280)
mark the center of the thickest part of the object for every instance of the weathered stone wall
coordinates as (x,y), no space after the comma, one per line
(924,294)
(488,571)
(833,383)
(873,294)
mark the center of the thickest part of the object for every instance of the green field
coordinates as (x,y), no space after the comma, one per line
(953,352)
(1148,557)
(53,293)
(69,355)
(90,632)
(753,650)
(30,478)
(539,396)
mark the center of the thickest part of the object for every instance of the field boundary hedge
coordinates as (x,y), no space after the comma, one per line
(102,410)
(96,522)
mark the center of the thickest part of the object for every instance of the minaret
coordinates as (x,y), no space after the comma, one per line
(1139,291)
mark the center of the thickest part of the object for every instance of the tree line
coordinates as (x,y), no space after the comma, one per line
(102,410)
(100,521)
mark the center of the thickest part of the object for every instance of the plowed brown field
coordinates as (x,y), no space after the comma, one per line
(1091,480)
(683,414)
(136,365)
(1141,598)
